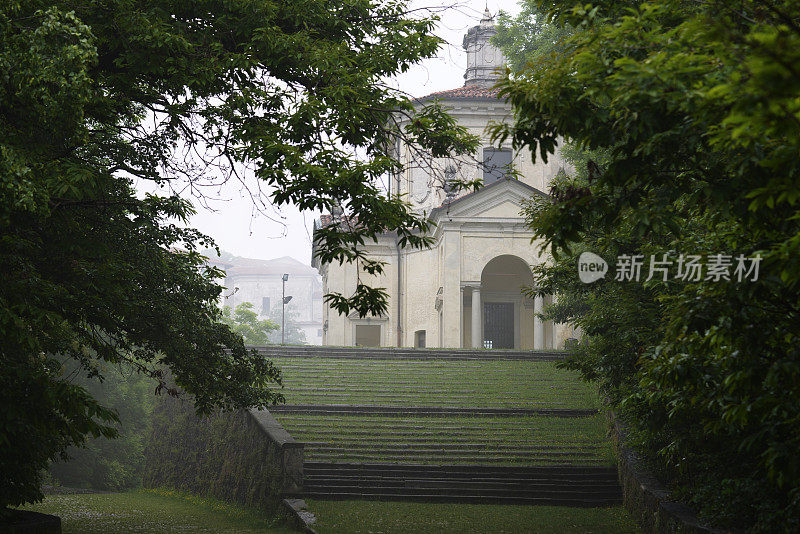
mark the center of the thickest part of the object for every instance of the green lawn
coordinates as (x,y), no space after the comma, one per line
(434,383)
(352,517)
(156,512)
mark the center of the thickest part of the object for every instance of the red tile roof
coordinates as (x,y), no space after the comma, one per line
(470,92)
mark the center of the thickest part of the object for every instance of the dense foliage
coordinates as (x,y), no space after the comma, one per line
(112,464)
(684,118)
(96,94)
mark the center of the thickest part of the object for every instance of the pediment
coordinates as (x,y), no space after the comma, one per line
(506,209)
(501,200)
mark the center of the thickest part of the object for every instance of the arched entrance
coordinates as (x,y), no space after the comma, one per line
(497,315)
(504,311)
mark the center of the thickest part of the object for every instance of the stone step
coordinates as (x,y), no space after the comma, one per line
(351,439)
(336,364)
(439,456)
(505,460)
(456,470)
(468,406)
(447,373)
(390,353)
(427,432)
(357,389)
(496,483)
(386,427)
(465,404)
(567,485)
(411,424)
(468,473)
(459,386)
(428,410)
(473,469)
(465,499)
(391,445)
(409,371)
(430,443)
(432,436)
(475,489)
(323,399)
(465,478)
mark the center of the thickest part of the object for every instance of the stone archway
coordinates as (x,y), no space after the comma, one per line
(500,316)
(506,318)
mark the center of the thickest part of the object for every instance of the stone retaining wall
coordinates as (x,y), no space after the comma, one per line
(648,501)
(244,457)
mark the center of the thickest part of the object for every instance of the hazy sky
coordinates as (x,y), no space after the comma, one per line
(244,231)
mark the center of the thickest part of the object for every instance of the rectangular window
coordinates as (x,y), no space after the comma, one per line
(496,164)
(264,305)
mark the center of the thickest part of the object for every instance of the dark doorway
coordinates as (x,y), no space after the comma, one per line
(498,325)
(419,339)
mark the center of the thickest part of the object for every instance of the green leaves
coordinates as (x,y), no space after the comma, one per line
(691,111)
(244,321)
(95,95)
(437,132)
(366,300)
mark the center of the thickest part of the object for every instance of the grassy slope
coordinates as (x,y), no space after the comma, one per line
(151,512)
(352,517)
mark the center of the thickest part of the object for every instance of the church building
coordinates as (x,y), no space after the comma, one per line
(465,291)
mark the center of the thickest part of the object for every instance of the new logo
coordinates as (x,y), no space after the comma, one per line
(591,267)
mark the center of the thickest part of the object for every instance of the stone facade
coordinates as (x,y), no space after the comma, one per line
(466,289)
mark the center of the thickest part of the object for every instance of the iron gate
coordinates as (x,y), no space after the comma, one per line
(498,325)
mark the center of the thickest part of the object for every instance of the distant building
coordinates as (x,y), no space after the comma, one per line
(466,290)
(260,283)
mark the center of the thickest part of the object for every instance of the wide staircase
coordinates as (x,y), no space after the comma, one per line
(432,425)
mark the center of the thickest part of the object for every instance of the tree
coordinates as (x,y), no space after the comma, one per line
(529,40)
(118,463)
(96,94)
(293,334)
(694,107)
(244,321)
